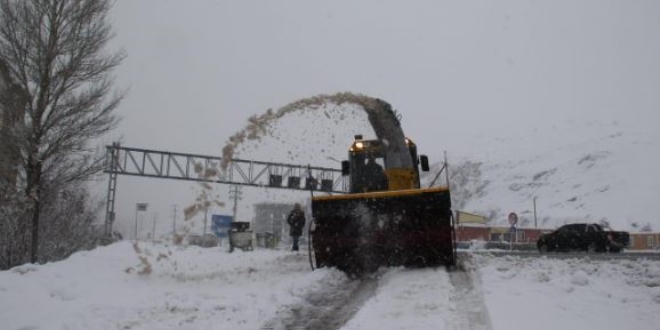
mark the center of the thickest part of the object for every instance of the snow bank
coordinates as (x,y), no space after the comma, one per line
(187,288)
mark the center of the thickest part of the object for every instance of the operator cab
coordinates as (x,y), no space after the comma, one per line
(367,167)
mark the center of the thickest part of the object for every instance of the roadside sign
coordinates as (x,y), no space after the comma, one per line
(220,224)
(513,218)
(512,236)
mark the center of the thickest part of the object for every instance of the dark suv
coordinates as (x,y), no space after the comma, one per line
(583,237)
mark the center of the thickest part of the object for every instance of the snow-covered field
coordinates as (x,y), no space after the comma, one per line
(194,288)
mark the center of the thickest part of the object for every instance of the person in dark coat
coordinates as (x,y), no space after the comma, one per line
(296,221)
(374,176)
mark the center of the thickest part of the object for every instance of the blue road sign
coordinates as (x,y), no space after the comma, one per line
(220,224)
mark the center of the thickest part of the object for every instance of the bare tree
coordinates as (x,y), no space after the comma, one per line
(55,56)
(13,238)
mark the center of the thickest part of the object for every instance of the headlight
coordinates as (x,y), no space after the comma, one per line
(359,145)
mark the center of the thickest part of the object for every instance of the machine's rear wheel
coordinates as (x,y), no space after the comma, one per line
(310,245)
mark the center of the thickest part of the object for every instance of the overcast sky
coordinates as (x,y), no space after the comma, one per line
(196,70)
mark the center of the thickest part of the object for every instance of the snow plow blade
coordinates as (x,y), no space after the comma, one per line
(358,233)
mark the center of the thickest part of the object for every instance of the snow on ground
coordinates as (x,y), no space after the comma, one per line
(195,288)
(541,293)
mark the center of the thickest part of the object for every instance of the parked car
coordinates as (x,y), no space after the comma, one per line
(586,237)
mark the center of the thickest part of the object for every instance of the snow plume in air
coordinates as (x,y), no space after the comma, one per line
(260,125)
(206,198)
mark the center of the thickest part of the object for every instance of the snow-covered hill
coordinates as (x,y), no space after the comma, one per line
(596,172)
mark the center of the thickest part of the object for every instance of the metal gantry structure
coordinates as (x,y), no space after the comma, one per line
(121,160)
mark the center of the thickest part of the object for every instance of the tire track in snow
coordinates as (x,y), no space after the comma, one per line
(328,309)
(471,312)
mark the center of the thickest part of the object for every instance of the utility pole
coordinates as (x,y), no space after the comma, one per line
(235,193)
(206,204)
(174,219)
(153,229)
(206,218)
(135,235)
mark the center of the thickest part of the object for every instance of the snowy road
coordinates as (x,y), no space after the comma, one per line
(471,310)
(194,288)
(326,309)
